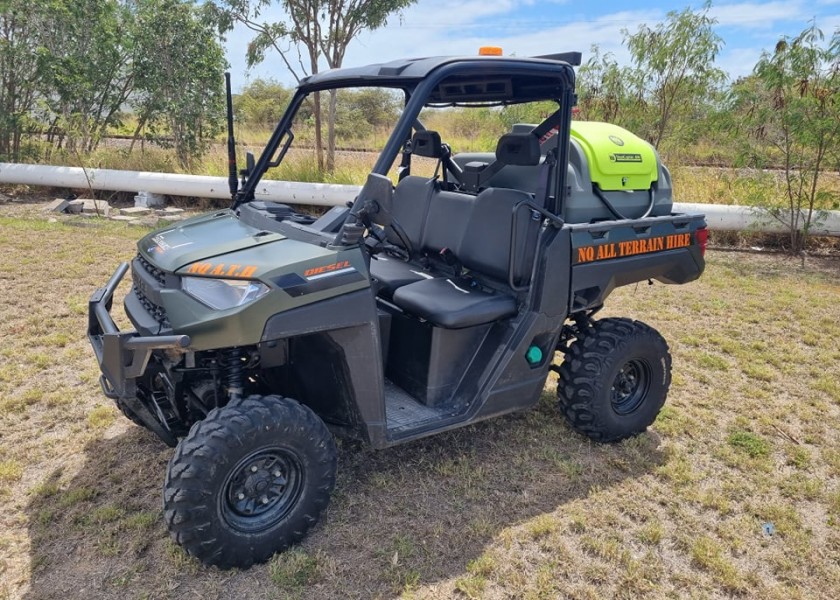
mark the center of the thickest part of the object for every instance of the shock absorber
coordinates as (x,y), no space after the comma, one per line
(232,372)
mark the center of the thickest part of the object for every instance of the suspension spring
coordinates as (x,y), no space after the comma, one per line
(231,363)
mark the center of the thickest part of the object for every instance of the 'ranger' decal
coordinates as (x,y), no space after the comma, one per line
(231,271)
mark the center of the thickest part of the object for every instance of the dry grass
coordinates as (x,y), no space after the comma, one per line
(519,507)
(746,187)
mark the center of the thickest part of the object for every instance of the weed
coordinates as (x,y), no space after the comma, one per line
(709,555)
(542,526)
(75,496)
(651,533)
(798,456)
(142,521)
(759,371)
(750,443)
(710,361)
(801,487)
(294,569)
(829,386)
(483,566)
(10,470)
(471,586)
(179,559)
(101,417)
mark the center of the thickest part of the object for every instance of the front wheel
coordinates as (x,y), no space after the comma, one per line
(614,379)
(248,481)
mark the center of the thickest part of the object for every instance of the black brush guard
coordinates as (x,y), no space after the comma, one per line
(124,355)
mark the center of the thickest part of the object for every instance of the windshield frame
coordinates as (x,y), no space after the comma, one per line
(418,93)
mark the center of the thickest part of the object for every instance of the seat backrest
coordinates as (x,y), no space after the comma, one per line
(486,244)
(449,214)
(410,208)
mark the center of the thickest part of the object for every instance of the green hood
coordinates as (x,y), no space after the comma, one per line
(201,238)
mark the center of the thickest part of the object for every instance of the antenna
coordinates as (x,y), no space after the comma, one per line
(233,181)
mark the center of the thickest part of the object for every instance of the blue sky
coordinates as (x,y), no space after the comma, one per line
(530,27)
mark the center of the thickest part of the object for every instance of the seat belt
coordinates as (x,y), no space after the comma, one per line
(543,190)
(404,170)
(534,220)
(541,196)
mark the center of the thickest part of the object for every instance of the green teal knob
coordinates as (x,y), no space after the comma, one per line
(534,355)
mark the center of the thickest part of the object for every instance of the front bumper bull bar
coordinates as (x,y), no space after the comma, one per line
(124,355)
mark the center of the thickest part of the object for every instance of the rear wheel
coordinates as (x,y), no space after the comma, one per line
(248,481)
(614,379)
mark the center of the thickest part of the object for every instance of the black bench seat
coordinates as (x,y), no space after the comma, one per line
(392,273)
(453,303)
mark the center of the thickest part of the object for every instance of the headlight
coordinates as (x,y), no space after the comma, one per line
(222,294)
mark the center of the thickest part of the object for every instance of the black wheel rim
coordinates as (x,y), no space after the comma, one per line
(630,386)
(261,489)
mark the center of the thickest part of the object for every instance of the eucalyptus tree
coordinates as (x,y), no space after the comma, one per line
(20,71)
(791,108)
(312,33)
(86,60)
(178,65)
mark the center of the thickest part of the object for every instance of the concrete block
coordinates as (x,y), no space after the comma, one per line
(123,218)
(74,207)
(149,200)
(172,210)
(172,218)
(136,210)
(58,205)
(96,207)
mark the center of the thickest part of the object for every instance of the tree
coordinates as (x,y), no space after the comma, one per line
(604,88)
(373,108)
(673,70)
(792,104)
(20,71)
(318,29)
(87,51)
(178,71)
(261,103)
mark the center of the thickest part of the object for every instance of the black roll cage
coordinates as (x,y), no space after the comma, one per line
(418,91)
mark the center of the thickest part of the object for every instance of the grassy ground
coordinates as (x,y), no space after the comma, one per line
(734,492)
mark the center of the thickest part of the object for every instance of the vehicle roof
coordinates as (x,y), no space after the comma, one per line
(409,70)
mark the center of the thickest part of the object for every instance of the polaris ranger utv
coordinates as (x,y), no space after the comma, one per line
(421,307)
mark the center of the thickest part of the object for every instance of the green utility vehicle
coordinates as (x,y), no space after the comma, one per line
(420,307)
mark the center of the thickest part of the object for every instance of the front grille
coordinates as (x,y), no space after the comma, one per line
(147,290)
(159,275)
(157,312)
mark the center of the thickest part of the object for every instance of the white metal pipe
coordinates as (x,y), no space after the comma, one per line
(719,217)
(173,184)
(722,217)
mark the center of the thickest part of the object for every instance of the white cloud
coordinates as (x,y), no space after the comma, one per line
(739,62)
(444,27)
(757,15)
(410,40)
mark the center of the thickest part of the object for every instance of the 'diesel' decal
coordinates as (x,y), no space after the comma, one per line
(317,279)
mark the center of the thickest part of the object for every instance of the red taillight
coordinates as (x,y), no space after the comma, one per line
(702,238)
